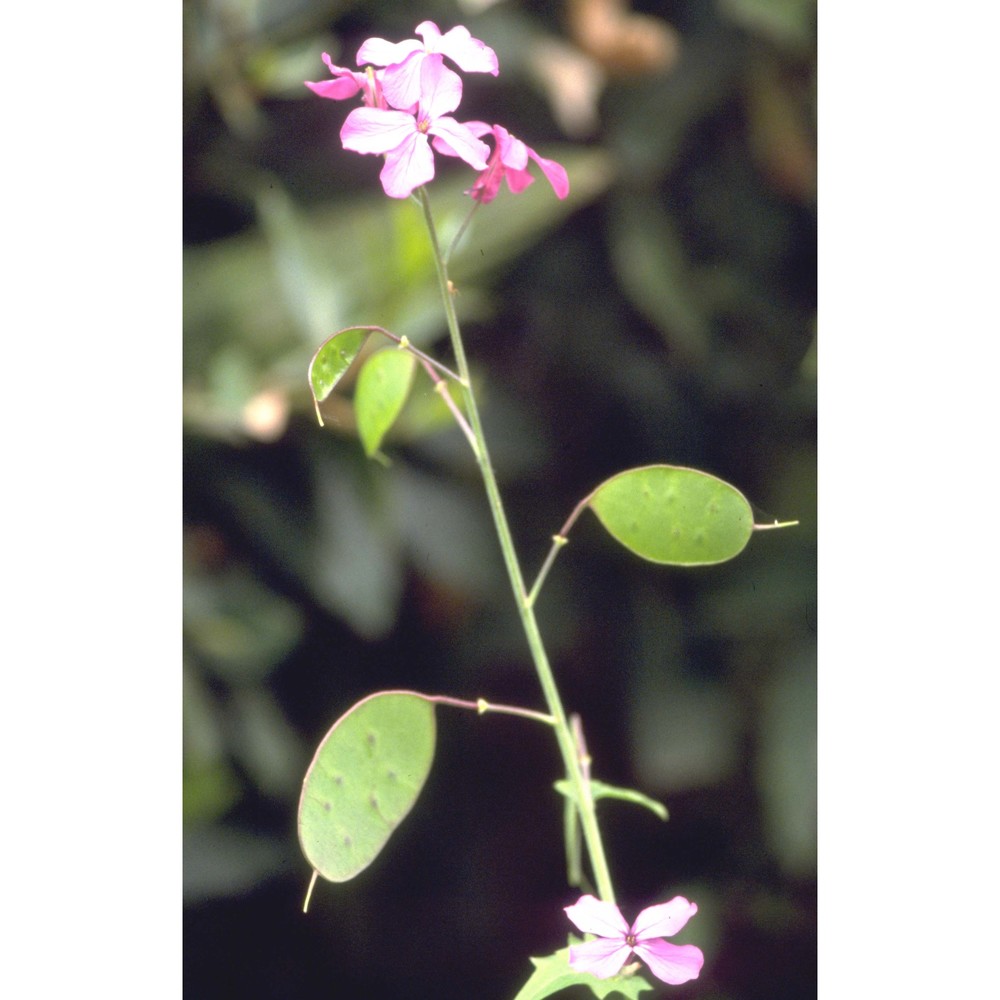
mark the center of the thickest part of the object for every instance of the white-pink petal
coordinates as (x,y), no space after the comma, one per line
(440,88)
(594,916)
(376,130)
(513,152)
(470,54)
(478,129)
(401,82)
(430,33)
(459,141)
(664,919)
(602,958)
(380,52)
(674,964)
(407,167)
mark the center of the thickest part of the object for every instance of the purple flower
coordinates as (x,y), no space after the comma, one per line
(605,956)
(348,82)
(402,136)
(510,160)
(404,59)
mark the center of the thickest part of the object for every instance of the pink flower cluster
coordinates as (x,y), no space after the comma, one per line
(406,115)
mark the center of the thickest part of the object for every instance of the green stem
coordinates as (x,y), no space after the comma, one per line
(461,231)
(564,735)
(482,706)
(559,541)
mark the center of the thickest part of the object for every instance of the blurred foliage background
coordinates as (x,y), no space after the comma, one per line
(665,312)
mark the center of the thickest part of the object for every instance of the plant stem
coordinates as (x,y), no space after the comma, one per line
(482,706)
(564,736)
(461,232)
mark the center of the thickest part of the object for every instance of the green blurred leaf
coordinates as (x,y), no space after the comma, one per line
(791,23)
(240,628)
(786,760)
(652,267)
(209,789)
(553,974)
(675,516)
(332,360)
(599,790)
(383,385)
(278,289)
(364,779)
(507,227)
(446,533)
(353,561)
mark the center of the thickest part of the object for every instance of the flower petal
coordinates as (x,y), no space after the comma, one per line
(513,152)
(470,54)
(487,184)
(380,52)
(556,175)
(430,33)
(478,129)
(337,90)
(673,963)
(663,920)
(376,130)
(460,142)
(593,916)
(518,180)
(440,88)
(401,82)
(347,82)
(601,958)
(407,167)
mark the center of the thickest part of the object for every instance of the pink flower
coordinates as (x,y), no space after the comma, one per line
(347,83)
(510,160)
(616,941)
(402,136)
(404,59)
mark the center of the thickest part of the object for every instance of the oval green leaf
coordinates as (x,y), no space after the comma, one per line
(331,361)
(674,516)
(364,779)
(383,385)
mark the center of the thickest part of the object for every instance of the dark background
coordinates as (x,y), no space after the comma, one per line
(664,313)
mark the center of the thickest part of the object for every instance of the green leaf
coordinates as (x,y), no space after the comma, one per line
(553,974)
(600,790)
(364,779)
(786,22)
(654,271)
(331,361)
(675,516)
(383,385)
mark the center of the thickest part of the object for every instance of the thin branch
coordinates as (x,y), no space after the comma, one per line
(559,542)
(461,230)
(482,706)
(441,388)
